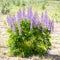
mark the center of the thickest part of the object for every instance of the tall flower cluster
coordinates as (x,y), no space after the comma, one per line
(35,20)
(11,21)
(45,20)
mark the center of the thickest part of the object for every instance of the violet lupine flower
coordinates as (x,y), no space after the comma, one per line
(29,16)
(29,13)
(19,16)
(42,18)
(23,14)
(51,26)
(13,24)
(11,21)
(46,22)
(45,19)
(35,20)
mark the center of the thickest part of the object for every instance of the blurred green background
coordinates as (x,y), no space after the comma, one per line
(51,6)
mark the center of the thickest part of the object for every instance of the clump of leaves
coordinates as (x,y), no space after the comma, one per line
(5,7)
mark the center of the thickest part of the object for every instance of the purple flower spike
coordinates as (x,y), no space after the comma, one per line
(11,20)
(42,18)
(29,13)
(47,22)
(35,20)
(13,23)
(19,16)
(51,26)
(45,19)
(23,14)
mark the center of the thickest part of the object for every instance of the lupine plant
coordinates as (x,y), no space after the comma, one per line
(29,33)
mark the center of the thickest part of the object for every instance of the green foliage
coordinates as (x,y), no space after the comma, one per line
(19,2)
(30,42)
(44,5)
(16,2)
(5,7)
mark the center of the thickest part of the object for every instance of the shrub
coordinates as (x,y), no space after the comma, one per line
(29,35)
